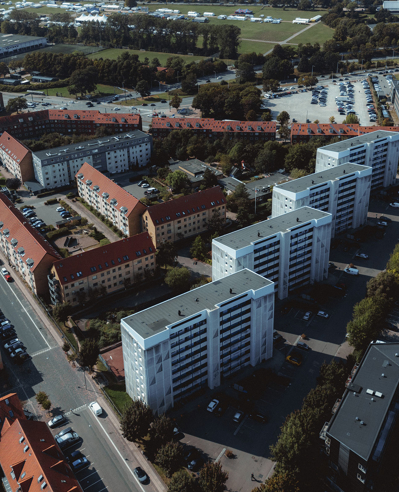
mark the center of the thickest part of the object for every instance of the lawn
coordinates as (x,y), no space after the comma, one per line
(319,33)
(117,393)
(254,46)
(113,53)
(63,91)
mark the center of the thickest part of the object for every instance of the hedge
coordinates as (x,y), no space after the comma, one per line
(57,233)
(3,181)
(24,87)
(45,193)
(52,201)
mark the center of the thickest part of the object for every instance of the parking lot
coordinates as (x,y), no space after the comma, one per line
(300,108)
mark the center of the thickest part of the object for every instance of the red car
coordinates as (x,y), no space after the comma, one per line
(8,278)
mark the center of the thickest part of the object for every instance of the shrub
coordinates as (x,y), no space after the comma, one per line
(57,233)
(71,194)
(45,193)
(104,241)
(66,347)
(64,252)
(46,404)
(2,181)
(52,201)
(41,397)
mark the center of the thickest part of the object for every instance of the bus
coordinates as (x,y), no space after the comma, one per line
(36,93)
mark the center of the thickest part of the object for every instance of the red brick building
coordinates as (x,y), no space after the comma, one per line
(210,128)
(35,124)
(303,132)
(10,409)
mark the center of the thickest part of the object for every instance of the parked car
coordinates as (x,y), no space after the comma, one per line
(307,315)
(15,346)
(140,474)
(292,359)
(259,418)
(213,405)
(11,343)
(323,314)
(18,354)
(79,464)
(302,345)
(68,440)
(63,432)
(351,271)
(4,272)
(362,255)
(142,182)
(394,204)
(56,421)
(238,416)
(60,209)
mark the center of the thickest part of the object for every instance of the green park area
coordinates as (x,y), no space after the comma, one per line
(319,33)
(113,53)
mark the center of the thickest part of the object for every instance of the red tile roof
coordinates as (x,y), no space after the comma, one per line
(59,114)
(34,245)
(106,185)
(214,125)
(28,450)
(335,129)
(13,147)
(100,259)
(186,205)
(10,408)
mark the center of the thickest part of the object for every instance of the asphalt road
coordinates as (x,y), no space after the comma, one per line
(70,391)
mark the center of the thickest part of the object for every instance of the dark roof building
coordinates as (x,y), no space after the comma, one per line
(357,434)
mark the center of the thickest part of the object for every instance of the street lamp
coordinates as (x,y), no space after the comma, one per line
(215,74)
(362,63)
(312,70)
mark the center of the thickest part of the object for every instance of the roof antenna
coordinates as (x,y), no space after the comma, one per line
(231,290)
(179,312)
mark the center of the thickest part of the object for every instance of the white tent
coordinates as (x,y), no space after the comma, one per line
(91,18)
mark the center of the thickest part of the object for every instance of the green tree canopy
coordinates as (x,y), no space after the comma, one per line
(89,352)
(170,457)
(143,88)
(182,482)
(198,249)
(175,101)
(166,253)
(16,105)
(136,420)
(283,118)
(213,478)
(83,81)
(178,278)
(210,178)
(13,183)
(161,431)
(178,181)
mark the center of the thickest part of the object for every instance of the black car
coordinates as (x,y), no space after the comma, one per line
(259,418)
(193,459)
(63,432)
(68,440)
(140,474)
(163,101)
(7,334)
(144,104)
(56,421)
(153,104)
(207,81)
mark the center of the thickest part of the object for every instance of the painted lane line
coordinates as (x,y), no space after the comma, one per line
(40,352)
(239,427)
(91,485)
(73,410)
(29,316)
(220,455)
(119,453)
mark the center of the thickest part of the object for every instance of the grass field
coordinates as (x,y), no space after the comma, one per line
(63,91)
(113,54)
(319,33)
(254,46)
(117,393)
(59,48)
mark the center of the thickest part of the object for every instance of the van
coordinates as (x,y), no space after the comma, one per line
(351,271)
(95,408)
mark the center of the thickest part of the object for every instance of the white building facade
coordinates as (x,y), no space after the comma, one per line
(379,150)
(117,154)
(291,250)
(194,340)
(343,191)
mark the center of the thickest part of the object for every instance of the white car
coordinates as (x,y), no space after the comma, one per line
(362,255)
(5,272)
(323,314)
(382,223)
(307,315)
(394,204)
(213,405)
(351,271)
(60,209)
(95,408)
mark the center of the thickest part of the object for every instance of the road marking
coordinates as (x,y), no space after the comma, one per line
(220,455)
(91,485)
(29,316)
(105,488)
(73,410)
(239,427)
(119,453)
(94,473)
(39,352)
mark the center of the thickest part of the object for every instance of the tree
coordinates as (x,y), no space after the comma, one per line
(62,311)
(170,457)
(130,3)
(161,431)
(281,481)
(251,115)
(198,249)
(267,115)
(83,81)
(283,118)
(89,352)
(3,69)
(182,482)
(332,119)
(163,172)
(189,84)
(210,178)
(13,183)
(16,104)
(245,73)
(304,5)
(175,101)
(384,284)
(216,223)
(178,278)
(143,88)
(166,253)
(178,181)
(270,85)
(136,420)
(212,478)
(351,119)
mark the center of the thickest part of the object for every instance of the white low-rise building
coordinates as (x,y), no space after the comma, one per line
(379,150)
(343,191)
(292,250)
(194,340)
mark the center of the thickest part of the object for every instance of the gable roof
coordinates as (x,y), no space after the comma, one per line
(22,237)
(214,125)
(13,147)
(29,453)
(10,409)
(106,185)
(335,129)
(186,205)
(95,260)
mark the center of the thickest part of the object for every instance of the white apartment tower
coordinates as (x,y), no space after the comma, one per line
(292,250)
(379,150)
(343,191)
(194,340)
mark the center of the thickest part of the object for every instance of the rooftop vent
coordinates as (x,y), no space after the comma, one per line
(80,176)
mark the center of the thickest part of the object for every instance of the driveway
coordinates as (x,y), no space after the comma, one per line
(197,268)
(101,227)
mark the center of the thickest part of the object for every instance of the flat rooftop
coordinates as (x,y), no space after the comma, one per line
(155,319)
(243,237)
(7,40)
(360,140)
(378,373)
(302,184)
(95,143)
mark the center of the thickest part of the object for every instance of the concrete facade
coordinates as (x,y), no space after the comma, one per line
(194,340)
(379,150)
(343,191)
(116,154)
(292,250)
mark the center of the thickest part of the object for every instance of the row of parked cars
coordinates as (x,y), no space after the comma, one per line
(13,345)
(369,100)
(64,213)
(33,219)
(319,95)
